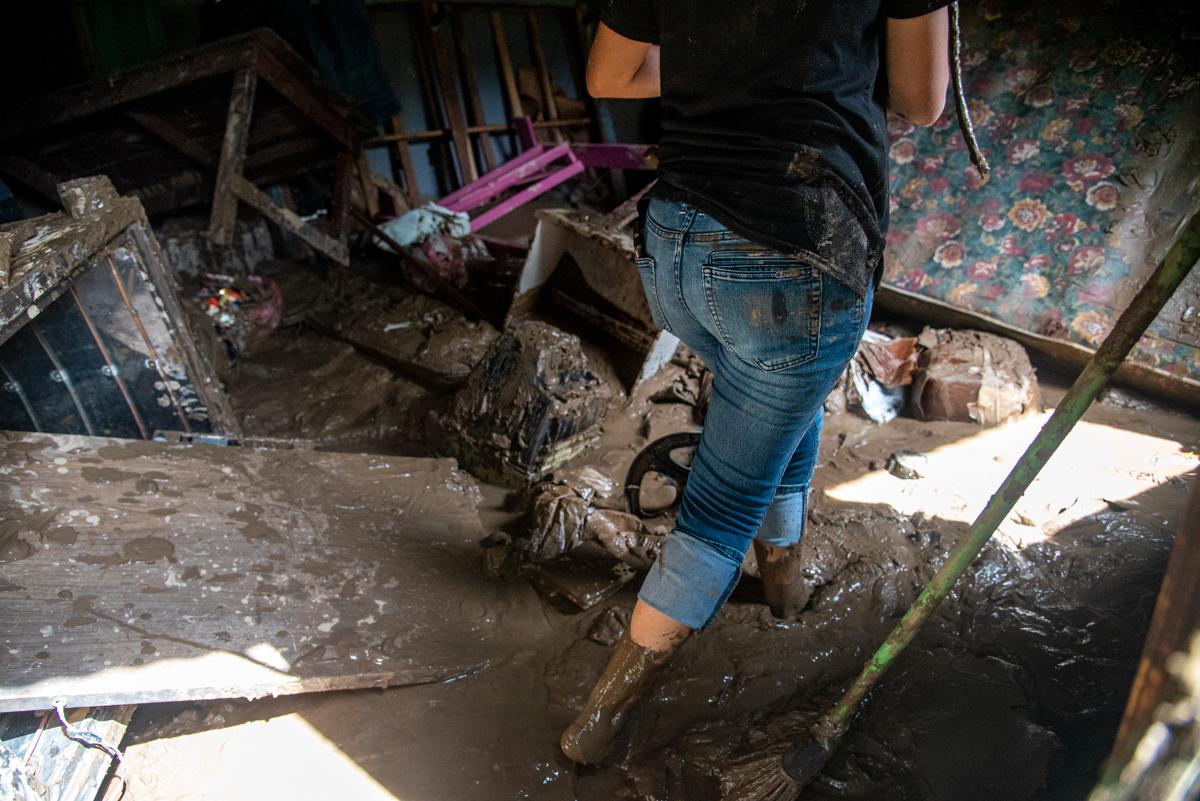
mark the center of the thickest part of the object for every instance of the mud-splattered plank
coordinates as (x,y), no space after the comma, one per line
(138,571)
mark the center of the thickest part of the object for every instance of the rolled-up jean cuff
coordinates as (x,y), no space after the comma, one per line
(783,524)
(690,581)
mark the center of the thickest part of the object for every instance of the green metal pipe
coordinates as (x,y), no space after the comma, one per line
(1112,352)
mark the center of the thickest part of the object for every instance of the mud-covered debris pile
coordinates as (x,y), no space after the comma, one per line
(1011,694)
(531,404)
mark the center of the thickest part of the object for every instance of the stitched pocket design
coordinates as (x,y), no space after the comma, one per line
(766,306)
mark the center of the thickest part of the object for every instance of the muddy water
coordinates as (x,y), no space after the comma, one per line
(1012,692)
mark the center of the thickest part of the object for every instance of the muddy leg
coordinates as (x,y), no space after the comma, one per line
(636,661)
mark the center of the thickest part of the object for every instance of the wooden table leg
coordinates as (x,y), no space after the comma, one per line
(223,221)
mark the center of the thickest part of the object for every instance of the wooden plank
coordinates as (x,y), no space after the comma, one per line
(369,184)
(506,68)
(31,175)
(493,128)
(474,106)
(431,96)
(287,219)
(65,768)
(233,156)
(167,132)
(447,75)
(72,103)
(406,162)
(1176,619)
(155,572)
(339,199)
(930,311)
(290,76)
(543,72)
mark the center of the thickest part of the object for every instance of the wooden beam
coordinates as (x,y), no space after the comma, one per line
(285,71)
(543,72)
(447,75)
(506,68)
(399,138)
(167,132)
(494,128)
(31,175)
(79,101)
(1176,617)
(339,200)
(223,220)
(474,106)
(368,185)
(440,154)
(287,219)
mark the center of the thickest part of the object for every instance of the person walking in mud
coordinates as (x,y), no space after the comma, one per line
(761,246)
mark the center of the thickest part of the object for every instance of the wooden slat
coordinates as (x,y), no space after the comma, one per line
(339,203)
(543,72)
(431,96)
(287,219)
(156,572)
(506,68)
(1176,619)
(233,156)
(406,162)
(447,75)
(166,131)
(474,106)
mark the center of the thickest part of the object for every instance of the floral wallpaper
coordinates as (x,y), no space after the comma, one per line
(1090,117)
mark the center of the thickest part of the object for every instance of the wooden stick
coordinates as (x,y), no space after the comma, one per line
(233,156)
(287,219)
(443,161)
(450,291)
(539,57)
(474,106)
(506,68)
(447,72)
(401,141)
(494,128)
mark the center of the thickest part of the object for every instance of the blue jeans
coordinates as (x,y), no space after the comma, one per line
(776,332)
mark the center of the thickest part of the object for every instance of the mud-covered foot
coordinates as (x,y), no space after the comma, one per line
(784,585)
(630,671)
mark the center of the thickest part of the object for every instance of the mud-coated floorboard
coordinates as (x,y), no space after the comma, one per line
(139,571)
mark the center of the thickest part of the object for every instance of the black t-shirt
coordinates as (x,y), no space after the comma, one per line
(773,118)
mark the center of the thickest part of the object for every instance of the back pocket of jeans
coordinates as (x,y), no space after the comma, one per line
(766,306)
(645,265)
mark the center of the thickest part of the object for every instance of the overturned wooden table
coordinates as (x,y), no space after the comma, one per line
(208,125)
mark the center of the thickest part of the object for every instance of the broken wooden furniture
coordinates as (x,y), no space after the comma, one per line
(211,125)
(455,79)
(581,272)
(199,571)
(536,171)
(92,336)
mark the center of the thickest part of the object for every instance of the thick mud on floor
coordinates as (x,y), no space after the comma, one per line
(1012,692)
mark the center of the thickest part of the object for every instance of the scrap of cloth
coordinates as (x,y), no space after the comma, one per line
(767,106)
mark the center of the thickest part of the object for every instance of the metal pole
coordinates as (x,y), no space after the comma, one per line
(1116,346)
